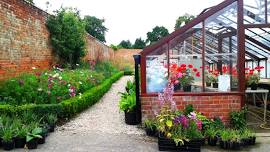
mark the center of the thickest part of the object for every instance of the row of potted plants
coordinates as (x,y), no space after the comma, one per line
(127,103)
(188,130)
(25,132)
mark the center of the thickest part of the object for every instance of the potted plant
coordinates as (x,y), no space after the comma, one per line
(183,75)
(208,81)
(51,121)
(150,127)
(224,139)
(32,138)
(20,134)
(130,86)
(213,76)
(235,140)
(253,77)
(7,138)
(43,134)
(128,105)
(211,134)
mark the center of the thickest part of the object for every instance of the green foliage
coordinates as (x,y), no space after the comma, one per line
(115,47)
(211,132)
(67,35)
(51,119)
(94,26)
(139,44)
(150,123)
(30,1)
(128,103)
(238,119)
(188,109)
(225,135)
(126,44)
(156,34)
(51,86)
(182,20)
(7,133)
(35,133)
(77,104)
(217,123)
(130,87)
(106,68)
(192,131)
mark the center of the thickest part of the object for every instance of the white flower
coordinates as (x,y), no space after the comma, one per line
(91,76)
(46,73)
(68,85)
(56,75)
(39,89)
(33,68)
(80,82)
(80,95)
(60,78)
(77,64)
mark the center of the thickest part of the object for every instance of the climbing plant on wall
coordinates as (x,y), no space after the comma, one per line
(67,35)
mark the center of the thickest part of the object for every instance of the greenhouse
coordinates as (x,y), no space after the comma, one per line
(210,59)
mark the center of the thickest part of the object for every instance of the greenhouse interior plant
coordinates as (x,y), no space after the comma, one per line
(253,77)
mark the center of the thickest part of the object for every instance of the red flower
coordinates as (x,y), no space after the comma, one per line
(174,65)
(246,69)
(198,74)
(190,66)
(183,65)
(224,69)
(195,70)
(207,67)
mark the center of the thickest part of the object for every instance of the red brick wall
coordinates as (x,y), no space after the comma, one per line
(210,106)
(24,40)
(126,56)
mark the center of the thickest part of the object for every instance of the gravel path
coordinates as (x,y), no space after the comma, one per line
(104,116)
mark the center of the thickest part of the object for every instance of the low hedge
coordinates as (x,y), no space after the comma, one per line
(80,103)
(128,73)
(66,108)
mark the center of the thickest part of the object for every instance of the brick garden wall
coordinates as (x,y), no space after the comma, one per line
(24,40)
(124,57)
(210,106)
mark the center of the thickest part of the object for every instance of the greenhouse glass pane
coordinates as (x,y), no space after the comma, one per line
(268,68)
(263,71)
(254,11)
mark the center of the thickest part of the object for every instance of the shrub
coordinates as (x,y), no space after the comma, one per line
(106,68)
(67,35)
(238,119)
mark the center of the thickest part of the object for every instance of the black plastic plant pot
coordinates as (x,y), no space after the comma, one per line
(212,141)
(245,142)
(177,87)
(32,144)
(8,145)
(130,118)
(187,88)
(215,85)
(165,144)
(51,127)
(151,132)
(42,140)
(254,86)
(252,140)
(208,84)
(235,145)
(0,142)
(20,142)
(224,144)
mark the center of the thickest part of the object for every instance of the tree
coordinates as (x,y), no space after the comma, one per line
(125,44)
(67,35)
(115,47)
(182,20)
(30,1)
(157,33)
(94,26)
(139,44)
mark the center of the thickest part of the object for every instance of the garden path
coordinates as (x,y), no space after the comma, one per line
(102,128)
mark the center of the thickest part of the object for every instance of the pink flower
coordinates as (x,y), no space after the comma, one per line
(192,116)
(199,124)
(179,75)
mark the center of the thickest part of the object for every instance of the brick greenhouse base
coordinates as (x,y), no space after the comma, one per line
(210,106)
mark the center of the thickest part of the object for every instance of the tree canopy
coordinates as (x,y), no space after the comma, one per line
(182,20)
(94,26)
(125,44)
(156,34)
(139,44)
(67,35)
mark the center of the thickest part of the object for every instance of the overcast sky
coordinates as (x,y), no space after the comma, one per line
(131,19)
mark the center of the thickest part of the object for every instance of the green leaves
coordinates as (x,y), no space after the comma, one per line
(156,34)
(35,133)
(94,26)
(67,35)
(128,103)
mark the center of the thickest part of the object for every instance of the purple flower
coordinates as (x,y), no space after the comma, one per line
(21,82)
(166,98)
(182,119)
